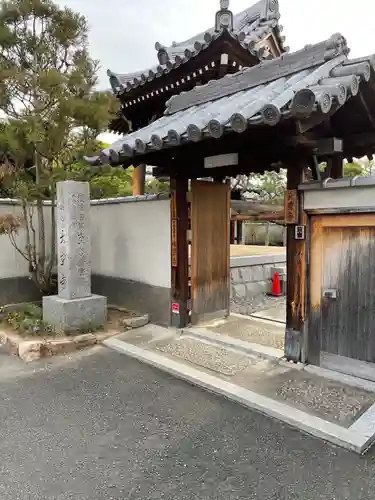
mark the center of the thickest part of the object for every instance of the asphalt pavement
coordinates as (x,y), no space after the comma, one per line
(100,426)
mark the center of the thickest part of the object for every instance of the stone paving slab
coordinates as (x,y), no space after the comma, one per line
(274,314)
(333,401)
(250,330)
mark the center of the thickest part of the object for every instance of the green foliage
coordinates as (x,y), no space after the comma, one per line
(353,169)
(363,168)
(157,187)
(52,115)
(268,187)
(105,181)
(28,320)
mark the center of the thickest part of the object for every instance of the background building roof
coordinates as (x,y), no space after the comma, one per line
(248,28)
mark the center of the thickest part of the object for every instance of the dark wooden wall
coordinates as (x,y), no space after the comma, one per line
(342,284)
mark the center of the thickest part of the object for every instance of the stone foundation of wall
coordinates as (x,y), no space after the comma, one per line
(252,276)
(138,297)
(17,290)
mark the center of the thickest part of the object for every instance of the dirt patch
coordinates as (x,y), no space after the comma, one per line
(24,335)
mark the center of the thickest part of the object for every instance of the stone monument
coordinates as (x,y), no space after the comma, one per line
(74,308)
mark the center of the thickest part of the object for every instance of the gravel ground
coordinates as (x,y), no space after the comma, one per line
(259,303)
(339,403)
(211,357)
(101,426)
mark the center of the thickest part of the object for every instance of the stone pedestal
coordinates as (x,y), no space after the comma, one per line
(70,316)
(74,308)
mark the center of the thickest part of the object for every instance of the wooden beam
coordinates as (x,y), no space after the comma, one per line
(304,125)
(139,180)
(179,252)
(319,147)
(296,270)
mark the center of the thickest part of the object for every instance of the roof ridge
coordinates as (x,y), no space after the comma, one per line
(265,72)
(248,26)
(268,9)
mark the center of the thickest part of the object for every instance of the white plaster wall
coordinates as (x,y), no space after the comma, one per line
(132,240)
(347,197)
(12,264)
(129,239)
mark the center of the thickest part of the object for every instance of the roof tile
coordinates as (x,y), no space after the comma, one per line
(325,78)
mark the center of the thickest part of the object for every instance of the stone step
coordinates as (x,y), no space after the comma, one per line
(248,329)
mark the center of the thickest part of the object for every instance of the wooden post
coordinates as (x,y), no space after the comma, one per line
(336,167)
(180,252)
(139,180)
(296,265)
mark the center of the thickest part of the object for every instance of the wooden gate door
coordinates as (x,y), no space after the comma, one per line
(342,284)
(210,247)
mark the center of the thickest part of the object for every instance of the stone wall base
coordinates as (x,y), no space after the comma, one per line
(69,316)
(252,276)
(16,290)
(134,296)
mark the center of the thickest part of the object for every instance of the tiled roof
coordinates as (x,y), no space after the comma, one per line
(248,28)
(294,85)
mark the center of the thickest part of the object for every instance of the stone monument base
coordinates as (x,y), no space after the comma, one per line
(70,316)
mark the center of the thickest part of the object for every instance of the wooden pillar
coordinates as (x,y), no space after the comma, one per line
(296,265)
(139,180)
(179,252)
(336,167)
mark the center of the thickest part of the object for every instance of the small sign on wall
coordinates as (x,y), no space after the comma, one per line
(300,233)
(174,243)
(174,230)
(175,308)
(291,206)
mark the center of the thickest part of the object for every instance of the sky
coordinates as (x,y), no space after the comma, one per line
(123,32)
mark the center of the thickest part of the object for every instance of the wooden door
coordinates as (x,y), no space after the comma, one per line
(342,284)
(210,247)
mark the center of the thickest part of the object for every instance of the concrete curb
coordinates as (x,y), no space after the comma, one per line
(358,438)
(270,353)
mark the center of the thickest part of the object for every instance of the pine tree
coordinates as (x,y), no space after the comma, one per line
(50,107)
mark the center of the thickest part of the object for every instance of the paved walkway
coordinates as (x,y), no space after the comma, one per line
(248,250)
(101,426)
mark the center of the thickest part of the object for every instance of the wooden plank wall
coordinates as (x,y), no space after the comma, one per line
(210,252)
(342,261)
